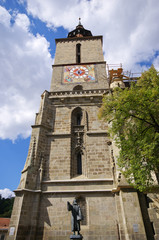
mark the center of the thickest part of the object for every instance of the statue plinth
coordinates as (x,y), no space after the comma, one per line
(79,236)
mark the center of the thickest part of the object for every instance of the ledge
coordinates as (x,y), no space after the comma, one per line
(65,134)
(25,169)
(97,132)
(41,126)
(79,93)
(78,38)
(27,190)
(78,180)
(58,134)
(74,64)
(78,191)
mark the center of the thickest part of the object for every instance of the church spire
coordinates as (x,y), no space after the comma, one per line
(80,31)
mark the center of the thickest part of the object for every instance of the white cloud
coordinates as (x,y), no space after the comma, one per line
(25,73)
(130,28)
(22,21)
(6,193)
(4,17)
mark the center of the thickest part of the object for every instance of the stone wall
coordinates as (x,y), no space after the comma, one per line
(91,50)
(55,221)
(129,215)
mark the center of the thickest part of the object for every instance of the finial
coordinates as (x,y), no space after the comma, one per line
(79,21)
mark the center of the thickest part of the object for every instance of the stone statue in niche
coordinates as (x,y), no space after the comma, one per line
(76,218)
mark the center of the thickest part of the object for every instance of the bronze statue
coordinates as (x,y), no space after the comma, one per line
(76,216)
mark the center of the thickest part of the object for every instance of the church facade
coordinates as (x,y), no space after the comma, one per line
(71,156)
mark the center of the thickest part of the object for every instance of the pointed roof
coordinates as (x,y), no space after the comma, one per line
(79,31)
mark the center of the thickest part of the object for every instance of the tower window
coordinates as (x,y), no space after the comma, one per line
(78,88)
(79,163)
(79,118)
(78,53)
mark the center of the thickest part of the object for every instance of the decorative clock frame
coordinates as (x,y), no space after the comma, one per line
(79,74)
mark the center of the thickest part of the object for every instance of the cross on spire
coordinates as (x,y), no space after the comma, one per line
(79,21)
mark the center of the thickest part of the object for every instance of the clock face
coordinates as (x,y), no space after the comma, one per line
(79,73)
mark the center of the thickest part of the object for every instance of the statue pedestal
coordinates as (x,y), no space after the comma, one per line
(79,237)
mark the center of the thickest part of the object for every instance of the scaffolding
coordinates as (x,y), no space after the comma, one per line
(115,73)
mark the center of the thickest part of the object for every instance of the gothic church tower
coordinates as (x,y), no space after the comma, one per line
(71,156)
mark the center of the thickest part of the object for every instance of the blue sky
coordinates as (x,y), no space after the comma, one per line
(27,47)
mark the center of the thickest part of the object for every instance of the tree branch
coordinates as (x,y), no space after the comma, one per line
(146,129)
(142,119)
(153,119)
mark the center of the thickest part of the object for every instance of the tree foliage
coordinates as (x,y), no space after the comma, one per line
(134,117)
(6,206)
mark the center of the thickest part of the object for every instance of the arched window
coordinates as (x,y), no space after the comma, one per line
(79,163)
(77,142)
(78,53)
(77,116)
(78,88)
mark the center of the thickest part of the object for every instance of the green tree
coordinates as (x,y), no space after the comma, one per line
(6,206)
(133,114)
